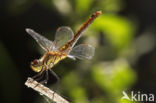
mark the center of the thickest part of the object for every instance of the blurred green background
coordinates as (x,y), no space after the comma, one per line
(123,36)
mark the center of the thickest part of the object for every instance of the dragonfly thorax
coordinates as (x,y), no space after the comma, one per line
(48,60)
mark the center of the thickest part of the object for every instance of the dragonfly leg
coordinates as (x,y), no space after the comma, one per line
(47,76)
(56,76)
(39,76)
(46,80)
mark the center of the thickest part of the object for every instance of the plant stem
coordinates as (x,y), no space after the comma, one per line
(43,90)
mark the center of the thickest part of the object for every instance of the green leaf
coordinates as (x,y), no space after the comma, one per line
(118,30)
(114,77)
(82,6)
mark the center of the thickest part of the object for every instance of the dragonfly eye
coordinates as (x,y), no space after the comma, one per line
(35,65)
(35,62)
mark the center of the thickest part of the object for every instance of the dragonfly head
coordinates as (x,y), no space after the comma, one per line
(36,65)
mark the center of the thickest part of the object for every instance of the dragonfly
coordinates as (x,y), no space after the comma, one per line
(62,47)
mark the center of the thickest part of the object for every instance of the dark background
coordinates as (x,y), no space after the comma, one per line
(20,48)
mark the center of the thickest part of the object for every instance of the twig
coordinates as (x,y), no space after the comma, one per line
(45,91)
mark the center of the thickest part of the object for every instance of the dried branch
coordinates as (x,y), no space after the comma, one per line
(45,91)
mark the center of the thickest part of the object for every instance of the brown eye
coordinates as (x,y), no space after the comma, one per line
(35,62)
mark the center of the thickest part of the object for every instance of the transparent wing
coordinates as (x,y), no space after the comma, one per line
(62,36)
(42,41)
(82,51)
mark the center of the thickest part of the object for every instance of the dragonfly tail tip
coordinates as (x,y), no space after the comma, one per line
(99,12)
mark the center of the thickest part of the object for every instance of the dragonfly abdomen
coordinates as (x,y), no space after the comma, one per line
(72,42)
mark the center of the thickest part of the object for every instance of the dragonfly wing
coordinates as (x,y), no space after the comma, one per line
(41,40)
(82,51)
(62,36)
(71,57)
